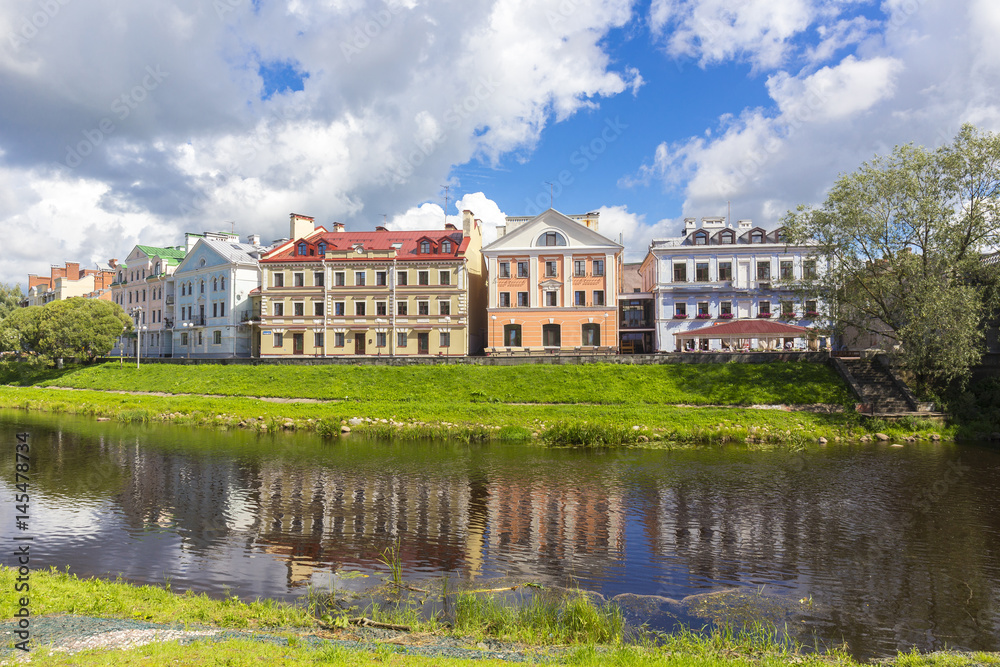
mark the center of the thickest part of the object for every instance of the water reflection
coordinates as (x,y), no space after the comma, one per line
(885,548)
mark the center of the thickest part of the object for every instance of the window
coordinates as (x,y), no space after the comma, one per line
(680,272)
(183,290)
(726,308)
(359,308)
(551,299)
(550,269)
(222,284)
(318,308)
(701,272)
(445,339)
(321,248)
(701,238)
(400,339)
(444,307)
(401,278)
(764,308)
(522,299)
(215,309)
(318,278)
(809,268)
(216,337)
(598,267)
(423,308)
(380,278)
(339,279)
(302,249)
(680,310)
(379,339)
(215,284)
(551,335)
(318,340)
(279,340)
(444,277)
(512,335)
(504,270)
(279,309)
(338,309)
(725,270)
(279,281)
(779,235)
(579,298)
(551,239)
(504,300)
(423,277)
(298,279)
(702,308)
(785,269)
(298,309)
(787,309)
(727,237)
(757,237)
(579,268)
(590,335)
(522,269)
(446,247)
(763,270)
(381,308)
(184,338)
(359,278)
(338,339)
(598,297)
(401,308)
(425,247)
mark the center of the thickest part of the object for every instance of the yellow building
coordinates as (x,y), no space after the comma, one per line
(378,293)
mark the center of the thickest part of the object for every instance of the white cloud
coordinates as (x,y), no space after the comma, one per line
(159,105)
(835,93)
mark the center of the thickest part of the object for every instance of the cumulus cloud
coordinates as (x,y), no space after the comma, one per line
(170,111)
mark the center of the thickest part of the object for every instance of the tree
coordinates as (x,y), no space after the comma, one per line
(75,328)
(903,240)
(10,299)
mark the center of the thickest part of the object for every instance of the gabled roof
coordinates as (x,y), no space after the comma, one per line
(524,235)
(231,252)
(409,245)
(163,253)
(752,328)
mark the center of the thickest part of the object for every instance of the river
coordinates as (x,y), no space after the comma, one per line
(877,547)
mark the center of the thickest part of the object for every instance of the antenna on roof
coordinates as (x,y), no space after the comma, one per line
(550,193)
(447,191)
(232,225)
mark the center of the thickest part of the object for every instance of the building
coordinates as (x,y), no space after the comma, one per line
(715,273)
(143,289)
(68,281)
(210,292)
(373,293)
(553,284)
(636,323)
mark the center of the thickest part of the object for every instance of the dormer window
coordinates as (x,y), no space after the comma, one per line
(446,247)
(757,236)
(779,235)
(302,249)
(701,238)
(425,247)
(728,237)
(321,248)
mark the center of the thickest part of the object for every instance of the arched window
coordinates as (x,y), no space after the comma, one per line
(512,335)
(757,237)
(727,237)
(701,238)
(215,284)
(591,335)
(425,247)
(222,283)
(202,286)
(551,238)
(183,289)
(302,249)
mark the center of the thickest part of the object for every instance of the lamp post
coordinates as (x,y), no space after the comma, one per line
(137,312)
(188,325)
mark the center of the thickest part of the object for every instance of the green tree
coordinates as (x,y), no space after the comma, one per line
(75,328)
(10,298)
(19,330)
(902,240)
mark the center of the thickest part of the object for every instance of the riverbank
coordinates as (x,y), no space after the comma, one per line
(596,404)
(115,623)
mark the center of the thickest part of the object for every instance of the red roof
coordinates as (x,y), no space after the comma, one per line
(754,328)
(375,240)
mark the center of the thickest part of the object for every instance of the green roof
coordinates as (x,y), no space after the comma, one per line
(163,253)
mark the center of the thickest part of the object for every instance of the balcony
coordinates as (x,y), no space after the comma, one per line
(170,299)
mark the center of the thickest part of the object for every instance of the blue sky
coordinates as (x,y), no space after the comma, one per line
(124,124)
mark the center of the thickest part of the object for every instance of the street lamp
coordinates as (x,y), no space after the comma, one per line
(137,312)
(188,325)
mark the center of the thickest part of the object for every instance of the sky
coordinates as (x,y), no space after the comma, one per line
(133,122)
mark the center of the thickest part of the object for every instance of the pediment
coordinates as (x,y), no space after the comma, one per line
(576,234)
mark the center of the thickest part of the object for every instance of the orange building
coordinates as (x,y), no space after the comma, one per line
(553,285)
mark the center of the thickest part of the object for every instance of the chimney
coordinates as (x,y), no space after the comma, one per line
(338,227)
(300,226)
(467,222)
(380,228)
(73,270)
(189,241)
(501,230)
(113,263)
(450,227)
(253,239)
(746,224)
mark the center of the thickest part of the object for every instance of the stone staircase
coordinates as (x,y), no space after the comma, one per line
(878,389)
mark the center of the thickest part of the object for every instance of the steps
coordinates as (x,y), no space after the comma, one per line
(877,386)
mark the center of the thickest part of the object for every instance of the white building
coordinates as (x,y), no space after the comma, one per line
(715,274)
(211,297)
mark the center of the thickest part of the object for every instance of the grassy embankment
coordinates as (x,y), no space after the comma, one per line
(562,405)
(575,633)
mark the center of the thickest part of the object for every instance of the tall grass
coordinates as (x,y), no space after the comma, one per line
(540,620)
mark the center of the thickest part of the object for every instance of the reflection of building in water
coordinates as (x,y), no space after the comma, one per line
(556,522)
